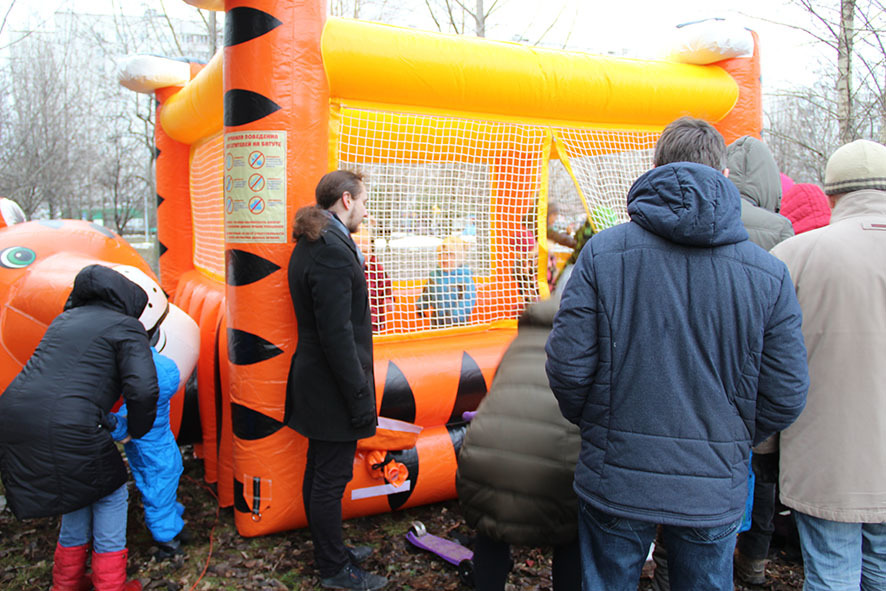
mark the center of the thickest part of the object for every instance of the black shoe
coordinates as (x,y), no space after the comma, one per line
(751,571)
(358,554)
(185,536)
(168,549)
(352,577)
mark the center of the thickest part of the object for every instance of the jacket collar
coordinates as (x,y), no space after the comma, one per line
(859,203)
(341,230)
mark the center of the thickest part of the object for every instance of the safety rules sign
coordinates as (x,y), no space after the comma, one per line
(255,186)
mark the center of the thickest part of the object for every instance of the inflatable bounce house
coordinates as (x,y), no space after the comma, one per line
(456,137)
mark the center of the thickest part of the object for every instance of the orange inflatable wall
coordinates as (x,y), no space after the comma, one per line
(275,87)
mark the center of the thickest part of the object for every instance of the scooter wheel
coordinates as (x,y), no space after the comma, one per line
(466,572)
(418,529)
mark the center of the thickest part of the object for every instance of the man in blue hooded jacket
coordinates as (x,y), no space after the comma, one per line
(677,346)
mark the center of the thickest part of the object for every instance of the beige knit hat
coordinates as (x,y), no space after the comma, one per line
(857,165)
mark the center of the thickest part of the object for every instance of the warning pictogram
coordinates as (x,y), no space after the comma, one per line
(229,183)
(229,161)
(229,205)
(256,205)
(256,159)
(256,183)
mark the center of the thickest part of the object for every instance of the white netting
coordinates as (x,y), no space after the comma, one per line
(605,164)
(452,204)
(207,205)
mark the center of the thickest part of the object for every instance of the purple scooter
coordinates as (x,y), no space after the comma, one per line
(451,552)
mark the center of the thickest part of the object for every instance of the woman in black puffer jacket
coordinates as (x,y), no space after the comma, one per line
(57,456)
(516,466)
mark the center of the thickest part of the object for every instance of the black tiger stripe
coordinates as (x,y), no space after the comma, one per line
(244,267)
(249,424)
(244,23)
(244,106)
(471,389)
(398,400)
(245,348)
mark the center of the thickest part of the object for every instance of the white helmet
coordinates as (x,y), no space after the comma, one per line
(10,213)
(157,306)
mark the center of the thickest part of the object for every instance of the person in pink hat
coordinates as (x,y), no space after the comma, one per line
(806,206)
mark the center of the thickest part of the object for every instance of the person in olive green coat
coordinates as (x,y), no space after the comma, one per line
(517,463)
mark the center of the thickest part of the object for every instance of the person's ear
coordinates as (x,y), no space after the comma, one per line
(347,200)
(726,172)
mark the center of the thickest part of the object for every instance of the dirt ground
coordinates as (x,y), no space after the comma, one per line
(218,558)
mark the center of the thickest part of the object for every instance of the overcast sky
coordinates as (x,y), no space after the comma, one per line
(640,27)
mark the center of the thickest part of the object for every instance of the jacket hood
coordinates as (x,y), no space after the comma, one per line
(310,222)
(97,284)
(689,204)
(754,171)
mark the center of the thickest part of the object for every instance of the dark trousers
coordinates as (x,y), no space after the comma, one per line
(329,468)
(754,543)
(492,563)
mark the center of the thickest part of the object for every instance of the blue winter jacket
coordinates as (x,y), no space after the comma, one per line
(155,459)
(677,345)
(451,294)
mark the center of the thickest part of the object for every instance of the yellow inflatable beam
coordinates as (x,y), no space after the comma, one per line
(196,111)
(382,64)
(391,65)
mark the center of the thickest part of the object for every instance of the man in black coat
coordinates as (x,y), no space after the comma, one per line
(331,389)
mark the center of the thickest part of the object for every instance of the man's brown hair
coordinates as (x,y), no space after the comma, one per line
(690,140)
(334,184)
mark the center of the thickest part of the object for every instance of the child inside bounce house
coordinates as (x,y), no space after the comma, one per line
(449,296)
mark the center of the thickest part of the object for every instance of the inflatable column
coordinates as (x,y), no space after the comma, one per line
(276,104)
(174,226)
(746,117)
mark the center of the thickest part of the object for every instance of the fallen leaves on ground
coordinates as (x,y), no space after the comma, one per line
(219,558)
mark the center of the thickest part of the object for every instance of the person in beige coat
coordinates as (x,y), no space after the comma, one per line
(833,459)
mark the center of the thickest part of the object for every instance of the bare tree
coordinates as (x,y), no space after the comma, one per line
(451,15)
(41,157)
(805,125)
(852,30)
(802,131)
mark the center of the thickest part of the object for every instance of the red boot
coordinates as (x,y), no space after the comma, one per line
(109,572)
(69,569)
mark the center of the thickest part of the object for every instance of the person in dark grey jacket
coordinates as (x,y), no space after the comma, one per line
(57,455)
(677,347)
(517,462)
(753,170)
(330,396)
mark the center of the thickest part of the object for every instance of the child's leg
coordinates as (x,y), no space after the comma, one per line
(72,551)
(157,475)
(161,509)
(109,521)
(76,528)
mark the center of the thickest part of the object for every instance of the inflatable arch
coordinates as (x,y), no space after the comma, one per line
(455,135)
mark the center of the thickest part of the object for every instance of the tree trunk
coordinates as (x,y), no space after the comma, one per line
(213,33)
(844,71)
(882,134)
(480,17)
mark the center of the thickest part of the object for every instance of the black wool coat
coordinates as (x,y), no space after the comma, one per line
(331,375)
(56,450)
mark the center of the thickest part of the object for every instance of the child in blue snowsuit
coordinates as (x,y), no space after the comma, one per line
(156,463)
(450,294)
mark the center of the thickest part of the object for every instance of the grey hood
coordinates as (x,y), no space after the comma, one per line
(754,171)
